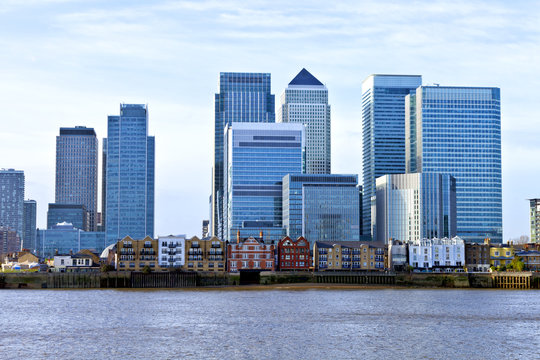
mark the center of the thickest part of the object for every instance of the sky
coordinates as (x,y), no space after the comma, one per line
(68,63)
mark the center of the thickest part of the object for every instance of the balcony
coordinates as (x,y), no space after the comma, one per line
(171,246)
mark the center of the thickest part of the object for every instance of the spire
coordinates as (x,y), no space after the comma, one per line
(304,77)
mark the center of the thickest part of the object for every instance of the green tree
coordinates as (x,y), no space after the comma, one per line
(106,268)
(517,263)
(146,270)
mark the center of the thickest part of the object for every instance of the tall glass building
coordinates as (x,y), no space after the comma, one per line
(412,207)
(383,132)
(29,225)
(77,169)
(321,207)
(305,101)
(242,98)
(63,238)
(256,159)
(130,175)
(77,215)
(457,131)
(12,200)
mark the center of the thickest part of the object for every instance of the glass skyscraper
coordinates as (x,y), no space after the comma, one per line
(412,207)
(130,175)
(76,215)
(256,159)
(63,238)
(29,225)
(77,169)
(12,200)
(305,101)
(321,207)
(383,132)
(457,131)
(242,98)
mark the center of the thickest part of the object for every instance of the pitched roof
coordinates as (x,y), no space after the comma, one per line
(304,77)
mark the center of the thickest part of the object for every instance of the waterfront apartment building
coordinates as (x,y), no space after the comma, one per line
(439,255)
(250,254)
(77,169)
(383,132)
(134,255)
(293,255)
(321,207)
(535,220)
(12,200)
(530,258)
(257,157)
(129,175)
(350,256)
(206,254)
(457,131)
(29,225)
(501,254)
(477,257)
(75,214)
(305,101)
(242,98)
(411,207)
(172,251)
(63,238)
(397,255)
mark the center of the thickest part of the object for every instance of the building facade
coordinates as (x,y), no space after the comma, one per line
(135,255)
(411,207)
(321,207)
(63,238)
(457,131)
(250,254)
(12,200)
(383,132)
(75,214)
(350,256)
(242,97)
(129,175)
(257,158)
(501,254)
(77,169)
(305,101)
(10,242)
(293,255)
(398,255)
(531,259)
(172,252)
(439,255)
(29,225)
(477,257)
(206,254)
(535,220)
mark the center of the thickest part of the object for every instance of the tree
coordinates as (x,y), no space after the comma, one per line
(517,263)
(146,270)
(106,268)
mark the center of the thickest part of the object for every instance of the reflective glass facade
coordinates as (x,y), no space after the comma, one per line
(76,215)
(130,175)
(305,101)
(29,225)
(383,132)
(77,169)
(321,207)
(457,131)
(12,200)
(410,207)
(63,238)
(257,158)
(242,97)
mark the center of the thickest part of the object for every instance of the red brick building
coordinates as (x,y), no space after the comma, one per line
(251,254)
(293,255)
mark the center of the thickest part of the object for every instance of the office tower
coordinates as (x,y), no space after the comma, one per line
(63,238)
(305,101)
(383,132)
(12,200)
(412,207)
(535,219)
(10,241)
(29,225)
(321,207)
(104,185)
(257,156)
(77,169)
(76,215)
(130,175)
(457,131)
(242,97)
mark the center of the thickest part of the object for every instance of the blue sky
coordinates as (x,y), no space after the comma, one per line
(66,63)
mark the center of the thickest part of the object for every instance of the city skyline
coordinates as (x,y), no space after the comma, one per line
(486,49)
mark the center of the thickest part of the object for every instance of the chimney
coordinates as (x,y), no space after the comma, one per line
(261,235)
(238,237)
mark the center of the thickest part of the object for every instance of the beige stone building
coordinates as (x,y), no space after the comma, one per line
(206,254)
(134,255)
(350,256)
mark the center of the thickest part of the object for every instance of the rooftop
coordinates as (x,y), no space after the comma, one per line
(304,77)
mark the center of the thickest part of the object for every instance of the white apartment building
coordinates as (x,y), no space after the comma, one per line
(437,254)
(172,251)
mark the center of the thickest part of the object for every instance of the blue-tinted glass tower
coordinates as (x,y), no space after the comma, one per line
(130,175)
(321,207)
(256,159)
(12,200)
(383,132)
(457,131)
(242,98)
(29,225)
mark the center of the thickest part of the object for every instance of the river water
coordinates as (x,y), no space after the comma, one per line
(270,324)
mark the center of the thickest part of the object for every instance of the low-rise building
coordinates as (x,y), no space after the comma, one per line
(80,262)
(293,254)
(477,257)
(134,255)
(207,254)
(350,256)
(250,254)
(172,251)
(397,255)
(531,259)
(501,254)
(437,254)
